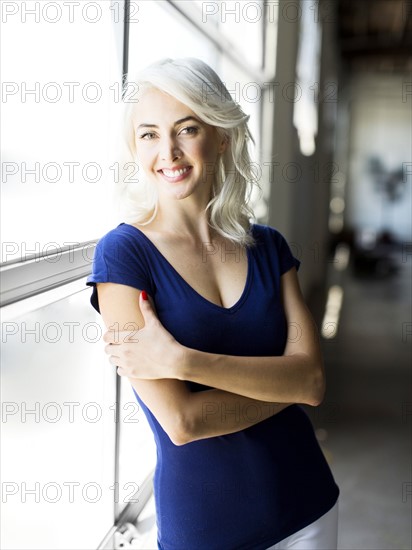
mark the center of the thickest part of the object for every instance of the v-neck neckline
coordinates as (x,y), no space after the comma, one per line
(230,309)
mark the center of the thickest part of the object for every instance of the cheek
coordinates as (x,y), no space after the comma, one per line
(144,157)
(207,151)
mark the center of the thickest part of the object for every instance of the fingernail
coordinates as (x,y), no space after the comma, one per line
(144,295)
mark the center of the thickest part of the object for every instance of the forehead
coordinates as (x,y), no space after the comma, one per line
(157,107)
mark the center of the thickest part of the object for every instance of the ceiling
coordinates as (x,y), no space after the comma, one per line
(375,34)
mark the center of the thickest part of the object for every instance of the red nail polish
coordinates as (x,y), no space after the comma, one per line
(144,295)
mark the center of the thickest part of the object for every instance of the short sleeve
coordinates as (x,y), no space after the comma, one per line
(286,259)
(118,259)
(278,248)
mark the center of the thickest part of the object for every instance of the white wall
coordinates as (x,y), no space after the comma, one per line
(381,126)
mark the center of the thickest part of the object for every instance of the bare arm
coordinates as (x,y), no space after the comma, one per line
(185,416)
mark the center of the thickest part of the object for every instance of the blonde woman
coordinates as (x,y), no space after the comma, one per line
(217,342)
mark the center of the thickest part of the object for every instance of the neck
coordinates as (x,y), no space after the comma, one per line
(186,217)
(186,222)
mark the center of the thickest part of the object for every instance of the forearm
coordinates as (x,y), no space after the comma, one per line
(189,416)
(296,378)
(214,413)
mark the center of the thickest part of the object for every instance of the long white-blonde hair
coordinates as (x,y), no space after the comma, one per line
(196,85)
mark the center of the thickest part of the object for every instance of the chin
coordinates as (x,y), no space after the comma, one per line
(180,194)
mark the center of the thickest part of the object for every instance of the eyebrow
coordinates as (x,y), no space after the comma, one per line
(180,121)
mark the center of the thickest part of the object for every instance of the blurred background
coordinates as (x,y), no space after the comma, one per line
(328,86)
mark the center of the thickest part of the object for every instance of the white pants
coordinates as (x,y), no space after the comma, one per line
(322,534)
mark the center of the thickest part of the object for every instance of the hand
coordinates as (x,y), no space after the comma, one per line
(148,353)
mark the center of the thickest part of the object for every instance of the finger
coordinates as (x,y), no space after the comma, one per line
(109,349)
(117,337)
(114,360)
(110,337)
(146,306)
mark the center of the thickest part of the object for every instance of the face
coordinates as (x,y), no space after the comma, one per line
(177,151)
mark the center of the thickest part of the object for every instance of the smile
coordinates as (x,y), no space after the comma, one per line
(175,173)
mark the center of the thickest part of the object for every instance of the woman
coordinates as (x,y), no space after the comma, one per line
(214,334)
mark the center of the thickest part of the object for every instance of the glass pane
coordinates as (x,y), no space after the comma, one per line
(236,20)
(61,73)
(57,430)
(244,19)
(163,33)
(137,450)
(305,114)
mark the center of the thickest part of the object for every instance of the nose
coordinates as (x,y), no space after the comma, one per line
(169,149)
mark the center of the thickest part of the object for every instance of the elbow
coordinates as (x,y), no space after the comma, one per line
(317,388)
(180,433)
(179,438)
(311,388)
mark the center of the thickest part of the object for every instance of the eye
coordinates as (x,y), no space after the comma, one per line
(148,136)
(190,130)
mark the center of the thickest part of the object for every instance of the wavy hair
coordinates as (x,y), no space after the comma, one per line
(196,85)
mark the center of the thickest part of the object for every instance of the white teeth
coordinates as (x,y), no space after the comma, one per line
(174,173)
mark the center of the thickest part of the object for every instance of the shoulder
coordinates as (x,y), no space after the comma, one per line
(123,240)
(264,233)
(272,241)
(123,233)
(120,257)
(123,248)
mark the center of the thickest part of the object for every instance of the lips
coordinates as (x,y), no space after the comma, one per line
(175,174)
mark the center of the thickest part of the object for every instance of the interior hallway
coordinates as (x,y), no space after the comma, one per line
(365,422)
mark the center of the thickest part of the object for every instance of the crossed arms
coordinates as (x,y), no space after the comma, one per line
(248,389)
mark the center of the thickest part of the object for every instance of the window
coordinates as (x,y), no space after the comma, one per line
(58,428)
(305,115)
(61,73)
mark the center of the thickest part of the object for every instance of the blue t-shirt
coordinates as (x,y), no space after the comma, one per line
(247,490)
